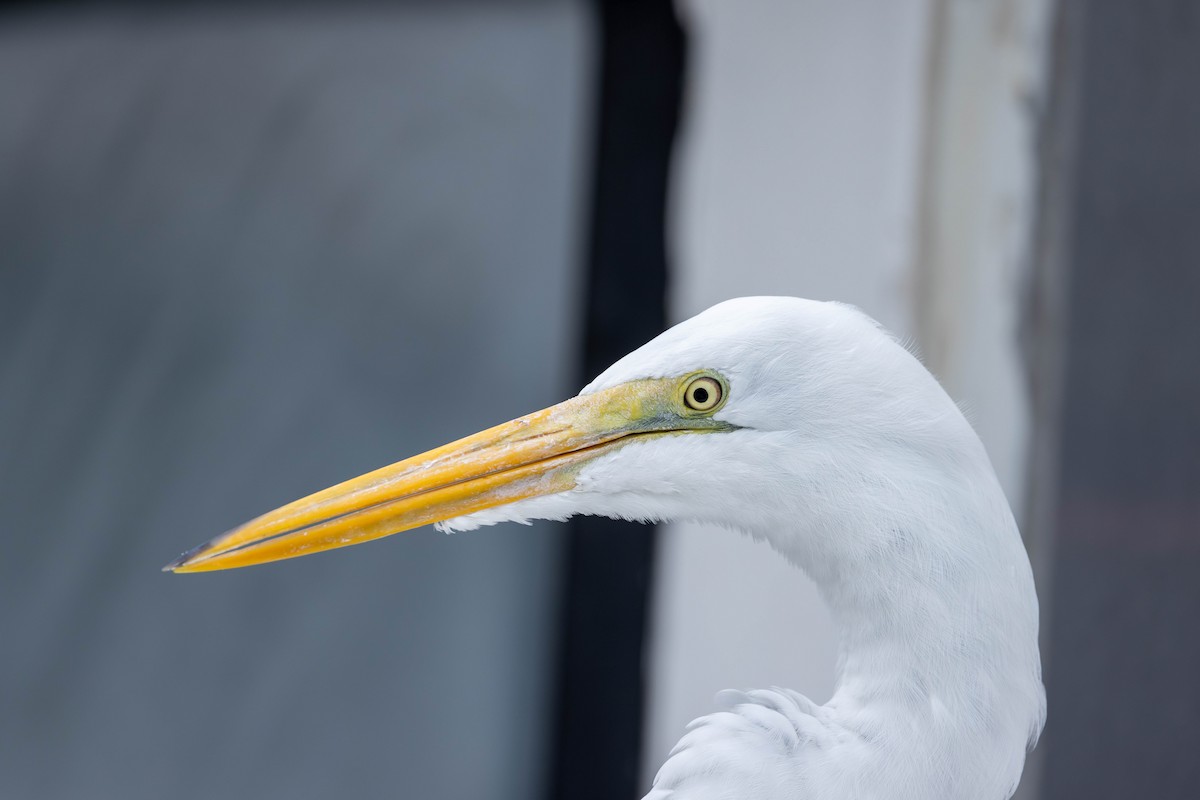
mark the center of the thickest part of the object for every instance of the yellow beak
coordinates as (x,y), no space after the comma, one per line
(534,455)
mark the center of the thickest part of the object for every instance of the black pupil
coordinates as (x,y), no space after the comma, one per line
(700,395)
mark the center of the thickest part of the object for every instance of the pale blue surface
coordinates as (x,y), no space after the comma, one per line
(242,259)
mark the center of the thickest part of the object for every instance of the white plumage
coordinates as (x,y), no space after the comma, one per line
(851,461)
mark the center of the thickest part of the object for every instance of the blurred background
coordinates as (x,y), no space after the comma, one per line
(248,250)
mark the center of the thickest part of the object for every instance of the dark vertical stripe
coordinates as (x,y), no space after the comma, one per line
(1124,699)
(609,564)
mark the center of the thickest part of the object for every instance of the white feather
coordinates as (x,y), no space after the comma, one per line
(852,462)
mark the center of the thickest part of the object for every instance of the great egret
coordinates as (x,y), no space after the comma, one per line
(805,425)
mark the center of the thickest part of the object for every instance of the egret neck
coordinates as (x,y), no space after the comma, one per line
(938,691)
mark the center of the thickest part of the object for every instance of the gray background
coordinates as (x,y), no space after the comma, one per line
(1123,674)
(241,259)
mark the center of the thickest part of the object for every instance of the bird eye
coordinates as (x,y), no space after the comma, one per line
(703,394)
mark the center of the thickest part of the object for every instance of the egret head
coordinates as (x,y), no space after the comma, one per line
(744,415)
(801,423)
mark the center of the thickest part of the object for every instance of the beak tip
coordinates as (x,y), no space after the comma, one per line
(183,559)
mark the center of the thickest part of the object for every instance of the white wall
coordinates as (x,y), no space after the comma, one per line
(825,154)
